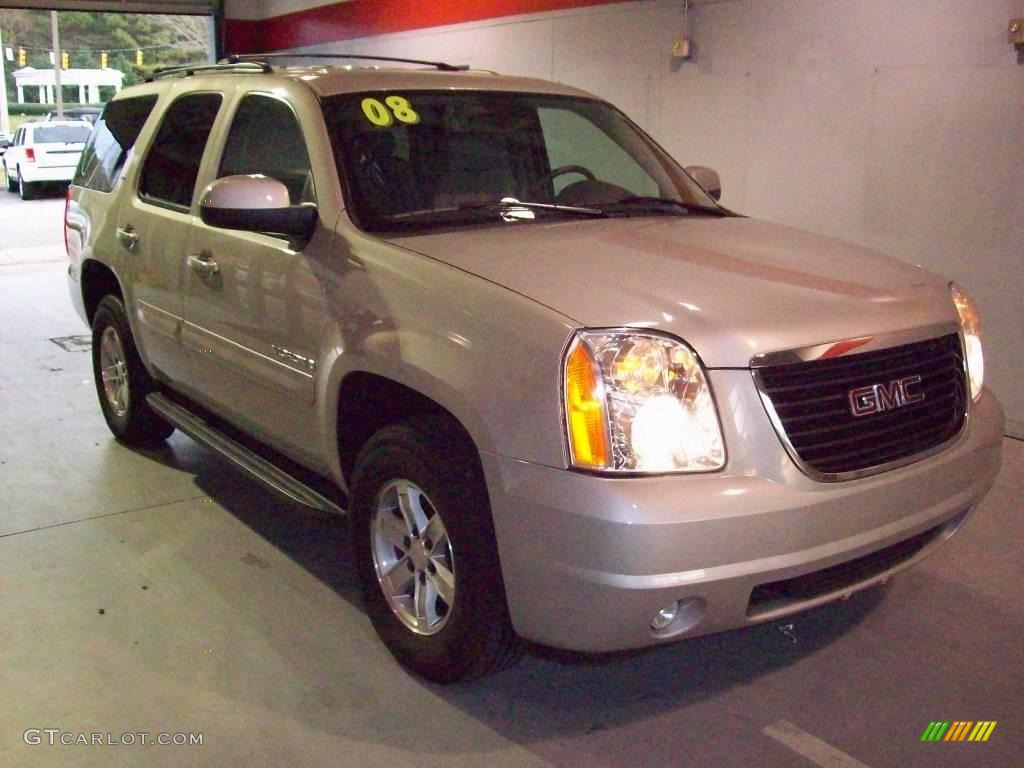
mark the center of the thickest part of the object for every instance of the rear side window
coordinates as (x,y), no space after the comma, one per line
(111,141)
(61,134)
(172,165)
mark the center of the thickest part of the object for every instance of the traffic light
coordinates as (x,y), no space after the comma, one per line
(103,59)
(65,60)
(138,58)
(22,57)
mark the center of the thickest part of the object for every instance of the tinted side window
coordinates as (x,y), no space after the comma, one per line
(112,138)
(265,138)
(172,165)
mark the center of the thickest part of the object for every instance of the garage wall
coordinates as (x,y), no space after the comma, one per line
(898,124)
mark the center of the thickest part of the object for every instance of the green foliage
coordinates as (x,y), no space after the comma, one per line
(30,110)
(164,41)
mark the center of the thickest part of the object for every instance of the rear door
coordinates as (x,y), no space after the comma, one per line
(153,229)
(90,218)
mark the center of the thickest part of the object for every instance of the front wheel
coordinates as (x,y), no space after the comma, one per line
(122,381)
(426,554)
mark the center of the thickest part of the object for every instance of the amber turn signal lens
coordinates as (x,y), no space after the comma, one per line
(584,413)
(970,324)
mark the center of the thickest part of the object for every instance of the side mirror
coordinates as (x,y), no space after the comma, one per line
(256,203)
(707,178)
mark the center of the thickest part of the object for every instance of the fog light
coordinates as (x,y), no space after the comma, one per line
(663,618)
(678,618)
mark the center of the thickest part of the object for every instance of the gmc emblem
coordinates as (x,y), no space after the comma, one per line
(877,398)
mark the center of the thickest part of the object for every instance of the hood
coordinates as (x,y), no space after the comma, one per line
(730,287)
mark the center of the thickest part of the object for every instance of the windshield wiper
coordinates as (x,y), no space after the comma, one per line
(509,209)
(665,204)
(512,209)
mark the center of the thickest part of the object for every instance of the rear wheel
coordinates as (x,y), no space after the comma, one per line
(426,554)
(25,190)
(122,381)
(12,185)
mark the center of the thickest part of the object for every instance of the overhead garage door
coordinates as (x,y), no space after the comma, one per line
(195,7)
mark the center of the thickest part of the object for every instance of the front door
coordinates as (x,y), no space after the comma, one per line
(254,308)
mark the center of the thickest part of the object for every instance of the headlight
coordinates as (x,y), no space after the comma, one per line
(638,402)
(970,324)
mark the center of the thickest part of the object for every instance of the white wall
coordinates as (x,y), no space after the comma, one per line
(898,124)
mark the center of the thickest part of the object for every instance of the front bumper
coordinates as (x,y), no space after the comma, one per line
(588,561)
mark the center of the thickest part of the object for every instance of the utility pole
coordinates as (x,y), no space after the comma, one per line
(59,95)
(5,122)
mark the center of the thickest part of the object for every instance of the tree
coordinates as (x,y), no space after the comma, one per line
(165,40)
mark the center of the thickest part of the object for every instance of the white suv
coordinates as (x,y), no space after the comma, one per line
(44,152)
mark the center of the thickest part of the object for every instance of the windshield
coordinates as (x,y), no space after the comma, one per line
(423,159)
(61,134)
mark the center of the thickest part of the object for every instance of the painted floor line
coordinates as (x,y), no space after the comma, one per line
(814,749)
(101,516)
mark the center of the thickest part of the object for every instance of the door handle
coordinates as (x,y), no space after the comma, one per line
(128,236)
(203,264)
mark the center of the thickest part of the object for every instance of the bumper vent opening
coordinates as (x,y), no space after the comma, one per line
(790,593)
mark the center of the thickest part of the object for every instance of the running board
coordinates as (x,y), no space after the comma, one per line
(267,473)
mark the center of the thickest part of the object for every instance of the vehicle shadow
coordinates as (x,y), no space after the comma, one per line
(310,538)
(50,190)
(42,191)
(555,694)
(551,694)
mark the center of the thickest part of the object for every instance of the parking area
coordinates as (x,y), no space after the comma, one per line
(162,592)
(32,229)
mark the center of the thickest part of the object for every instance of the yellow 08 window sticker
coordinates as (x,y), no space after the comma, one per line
(393,108)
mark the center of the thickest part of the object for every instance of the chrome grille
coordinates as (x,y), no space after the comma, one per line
(809,402)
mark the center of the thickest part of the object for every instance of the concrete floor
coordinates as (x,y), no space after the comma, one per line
(163,592)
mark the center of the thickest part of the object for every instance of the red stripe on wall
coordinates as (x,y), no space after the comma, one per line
(365,18)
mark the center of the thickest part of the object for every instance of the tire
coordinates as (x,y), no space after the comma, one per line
(421,525)
(12,185)
(122,381)
(25,190)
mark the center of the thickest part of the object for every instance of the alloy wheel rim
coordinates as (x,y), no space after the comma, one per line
(413,557)
(114,371)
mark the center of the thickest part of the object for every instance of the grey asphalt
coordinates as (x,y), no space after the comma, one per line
(161,591)
(31,230)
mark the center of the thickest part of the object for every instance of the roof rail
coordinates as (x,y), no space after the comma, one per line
(261,57)
(240,68)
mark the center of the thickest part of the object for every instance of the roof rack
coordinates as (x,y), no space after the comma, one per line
(250,58)
(237,67)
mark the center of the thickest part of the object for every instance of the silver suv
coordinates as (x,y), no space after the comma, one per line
(562,393)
